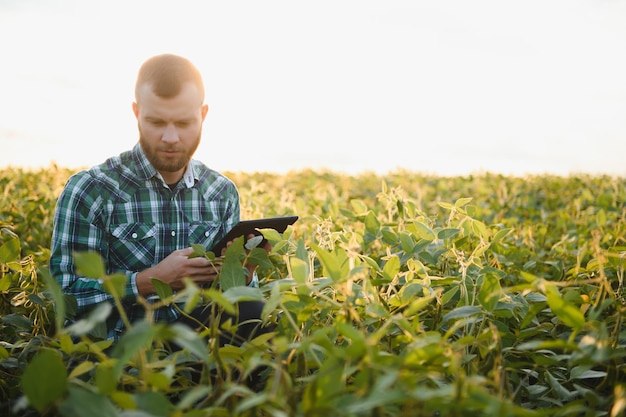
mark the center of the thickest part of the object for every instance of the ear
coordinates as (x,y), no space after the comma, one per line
(136,110)
(204,111)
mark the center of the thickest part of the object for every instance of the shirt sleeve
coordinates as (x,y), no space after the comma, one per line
(79,226)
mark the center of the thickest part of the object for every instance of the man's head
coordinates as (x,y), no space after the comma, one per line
(169,107)
(166,74)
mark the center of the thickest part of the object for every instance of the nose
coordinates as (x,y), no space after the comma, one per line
(170,134)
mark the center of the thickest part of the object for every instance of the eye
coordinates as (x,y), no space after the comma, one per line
(156,123)
(182,124)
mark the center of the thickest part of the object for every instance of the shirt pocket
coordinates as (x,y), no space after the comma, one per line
(204,233)
(132,246)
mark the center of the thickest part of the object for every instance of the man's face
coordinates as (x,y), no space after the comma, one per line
(170,128)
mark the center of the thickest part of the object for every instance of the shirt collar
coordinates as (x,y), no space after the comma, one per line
(145,170)
(190,175)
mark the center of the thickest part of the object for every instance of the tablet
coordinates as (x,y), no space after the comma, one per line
(248,227)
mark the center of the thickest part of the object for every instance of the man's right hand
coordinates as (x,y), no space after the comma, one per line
(174,268)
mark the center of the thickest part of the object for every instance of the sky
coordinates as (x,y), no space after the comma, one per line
(440,87)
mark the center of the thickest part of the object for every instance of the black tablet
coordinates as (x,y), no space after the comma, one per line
(248,227)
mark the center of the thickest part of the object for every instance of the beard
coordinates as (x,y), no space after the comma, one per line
(163,164)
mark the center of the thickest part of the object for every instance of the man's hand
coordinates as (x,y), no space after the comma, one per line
(176,266)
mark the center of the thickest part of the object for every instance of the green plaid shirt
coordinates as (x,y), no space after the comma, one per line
(123,210)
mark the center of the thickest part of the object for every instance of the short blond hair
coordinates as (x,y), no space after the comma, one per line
(167,73)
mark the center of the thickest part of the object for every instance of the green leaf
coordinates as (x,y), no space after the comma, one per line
(153,404)
(301,252)
(10,251)
(562,392)
(448,233)
(547,345)
(500,235)
(136,339)
(273,301)
(190,295)
(324,390)
(36,299)
(372,225)
(82,402)
(581,372)
(163,290)
(479,228)
(94,321)
(106,380)
(81,369)
(4,354)
(56,294)
(17,320)
(218,297)
(89,264)
(422,231)
(389,235)
(258,256)
(330,261)
(115,284)
(406,241)
(564,310)
(198,251)
(461,202)
(192,396)
(420,303)
(358,206)
(356,347)
(299,270)
(372,263)
(449,294)
(233,273)
(461,312)
(253,242)
(44,380)
(272,235)
(243,293)
(391,268)
(528,277)
(190,340)
(490,291)
(5,283)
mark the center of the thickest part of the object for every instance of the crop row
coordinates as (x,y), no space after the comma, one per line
(394,295)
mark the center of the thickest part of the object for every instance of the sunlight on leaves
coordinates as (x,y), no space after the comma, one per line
(565,310)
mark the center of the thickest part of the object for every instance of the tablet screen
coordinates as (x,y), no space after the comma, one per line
(248,227)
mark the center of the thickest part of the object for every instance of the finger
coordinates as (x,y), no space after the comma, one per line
(204,269)
(200,261)
(186,251)
(204,275)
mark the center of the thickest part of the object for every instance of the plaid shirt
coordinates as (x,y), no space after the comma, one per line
(123,210)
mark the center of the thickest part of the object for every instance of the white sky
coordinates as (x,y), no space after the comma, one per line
(444,87)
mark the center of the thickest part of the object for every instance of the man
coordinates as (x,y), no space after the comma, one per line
(143,209)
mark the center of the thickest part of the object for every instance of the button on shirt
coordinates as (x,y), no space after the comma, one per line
(124,210)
